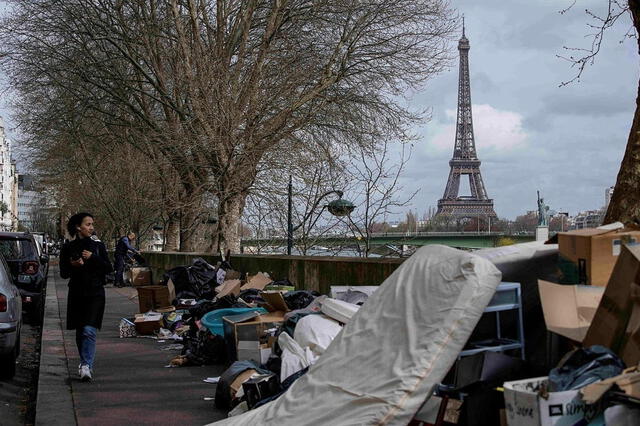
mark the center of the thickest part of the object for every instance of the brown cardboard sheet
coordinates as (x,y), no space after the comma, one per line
(616,323)
(258,281)
(229,287)
(569,309)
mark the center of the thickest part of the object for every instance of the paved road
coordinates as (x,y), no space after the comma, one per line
(131,384)
(18,395)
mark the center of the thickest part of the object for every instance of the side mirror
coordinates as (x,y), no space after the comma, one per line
(44,259)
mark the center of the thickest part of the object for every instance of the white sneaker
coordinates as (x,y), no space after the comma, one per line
(85,373)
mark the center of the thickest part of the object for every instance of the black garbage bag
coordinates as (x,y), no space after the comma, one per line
(584,366)
(180,278)
(198,279)
(202,278)
(251,295)
(184,294)
(204,306)
(201,308)
(205,348)
(274,364)
(300,299)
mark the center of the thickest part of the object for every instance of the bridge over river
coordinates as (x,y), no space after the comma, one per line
(466,240)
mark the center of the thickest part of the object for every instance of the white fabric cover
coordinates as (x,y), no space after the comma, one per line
(294,357)
(312,336)
(339,310)
(386,361)
(316,332)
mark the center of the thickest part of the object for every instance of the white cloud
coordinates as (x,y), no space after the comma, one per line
(493,129)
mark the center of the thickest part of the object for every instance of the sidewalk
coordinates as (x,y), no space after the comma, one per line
(131,384)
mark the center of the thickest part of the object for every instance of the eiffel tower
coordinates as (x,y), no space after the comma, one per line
(465,161)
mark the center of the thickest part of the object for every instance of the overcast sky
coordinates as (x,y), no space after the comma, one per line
(531,134)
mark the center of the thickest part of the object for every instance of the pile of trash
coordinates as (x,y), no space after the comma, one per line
(266,331)
(339,362)
(398,357)
(402,353)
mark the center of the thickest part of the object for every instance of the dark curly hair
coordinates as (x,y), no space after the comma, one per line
(75,221)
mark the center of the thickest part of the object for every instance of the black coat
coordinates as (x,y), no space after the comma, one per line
(86,300)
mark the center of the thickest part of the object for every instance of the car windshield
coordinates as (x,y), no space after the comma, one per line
(16,249)
(38,239)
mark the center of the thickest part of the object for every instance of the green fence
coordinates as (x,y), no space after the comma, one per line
(306,272)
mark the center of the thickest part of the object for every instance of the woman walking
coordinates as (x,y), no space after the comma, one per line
(84,260)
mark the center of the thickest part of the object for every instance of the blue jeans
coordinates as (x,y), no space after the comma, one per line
(86,341)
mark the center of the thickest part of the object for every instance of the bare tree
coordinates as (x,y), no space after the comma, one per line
(116,183)
(375,175)
(314,174)
(625,202)
(214,86)
(310,201)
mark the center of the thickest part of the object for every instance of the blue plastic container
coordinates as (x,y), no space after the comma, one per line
(213,320)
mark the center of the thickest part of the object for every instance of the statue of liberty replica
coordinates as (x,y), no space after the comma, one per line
(542,230)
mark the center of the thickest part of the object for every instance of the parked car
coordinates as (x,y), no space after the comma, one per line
(25,264)
(43,251)
(10,322)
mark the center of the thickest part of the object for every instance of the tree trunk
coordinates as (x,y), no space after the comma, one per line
(228,231)
(625,202)
(189,226)
(172,234)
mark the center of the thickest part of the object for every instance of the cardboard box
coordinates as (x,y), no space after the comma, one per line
(228,287)
(525,406)
(275,301)
(616,323)
(569,309)
(628,382)
(140,276)
(258,281)
(587,256)
(153,296)
(240,379)
(148,323)
(245,337)
(232,275)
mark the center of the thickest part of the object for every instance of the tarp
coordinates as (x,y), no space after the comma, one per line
(525,261)
(389,357)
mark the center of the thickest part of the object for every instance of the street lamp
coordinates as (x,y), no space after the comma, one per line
(339,207)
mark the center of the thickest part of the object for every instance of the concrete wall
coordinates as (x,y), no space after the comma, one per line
(306,272)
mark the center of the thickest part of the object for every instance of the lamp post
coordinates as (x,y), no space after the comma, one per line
(339,207)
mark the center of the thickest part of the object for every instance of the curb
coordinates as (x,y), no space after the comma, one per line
(54,404)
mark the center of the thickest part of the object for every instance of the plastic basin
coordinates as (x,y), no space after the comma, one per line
(213,320)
